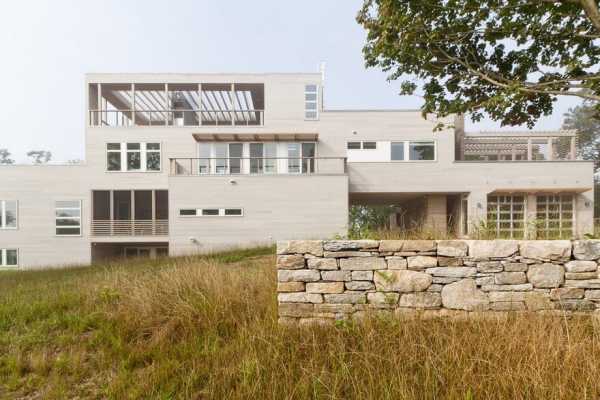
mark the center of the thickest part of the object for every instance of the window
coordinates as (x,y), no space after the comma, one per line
(554,214)
(8,214)
(133,157)
(506,216)
(361,145)
(68,218)
(263,158)
(311,95)
(9,258)
(397,151)
(421,151)
(293,158)
(211,212)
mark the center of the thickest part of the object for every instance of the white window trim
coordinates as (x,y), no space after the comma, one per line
(316,101)
(73,227)
(3,215)
(4,258)
(221,212)
(407,151)
(143,157)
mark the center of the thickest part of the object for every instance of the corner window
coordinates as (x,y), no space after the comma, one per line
(133,157)
(9,258)
(68,218)
(211,212)
(421,151)
(311,100)
(8,214)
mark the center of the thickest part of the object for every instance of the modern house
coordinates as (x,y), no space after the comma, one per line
(185,163)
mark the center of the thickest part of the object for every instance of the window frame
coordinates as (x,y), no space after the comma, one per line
(4,258)
(361,144)
(406,146)
(80,218)
(543,220)
(222,212)
(507,200)
(315,102)
(143,152)
(3,226)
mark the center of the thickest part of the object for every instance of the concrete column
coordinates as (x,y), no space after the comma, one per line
(584,213)
(477,211)
(436,215)
(530,216)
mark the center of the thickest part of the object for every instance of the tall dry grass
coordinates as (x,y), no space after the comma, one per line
(207,328)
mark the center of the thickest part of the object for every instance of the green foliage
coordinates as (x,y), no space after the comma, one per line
(509,59)
(364,220)
(585,120)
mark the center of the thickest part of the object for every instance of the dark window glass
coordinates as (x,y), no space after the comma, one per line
(210,211)
(122,205)
(101,200)
(133,161)
(397,151)
(68,231)
(187,212)
(162,204)
(113,161)
(421,151)
(153,161)
(11,257)
(353,145)
(369,145)
(143,204)
(233,211)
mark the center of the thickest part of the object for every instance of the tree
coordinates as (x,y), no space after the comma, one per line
(509,59)
(584,120)
(39,156)
(5,157)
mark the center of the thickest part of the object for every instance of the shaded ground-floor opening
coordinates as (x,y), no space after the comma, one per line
(111,251)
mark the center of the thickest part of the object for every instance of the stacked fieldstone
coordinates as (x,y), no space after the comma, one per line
(320,281)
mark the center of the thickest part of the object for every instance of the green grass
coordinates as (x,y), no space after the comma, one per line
(206,327)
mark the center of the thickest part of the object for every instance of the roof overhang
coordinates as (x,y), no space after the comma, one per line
(554,190)
(256,137)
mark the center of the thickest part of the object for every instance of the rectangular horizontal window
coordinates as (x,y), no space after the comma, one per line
(9,258)
(133,157)
(211,212)
(354,145)
(421,151)
(8,214)
(362,145)
(369,145)
(68,218)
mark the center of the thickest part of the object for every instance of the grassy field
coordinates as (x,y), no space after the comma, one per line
(206,328)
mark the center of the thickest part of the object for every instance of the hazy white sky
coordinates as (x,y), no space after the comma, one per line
(48,45)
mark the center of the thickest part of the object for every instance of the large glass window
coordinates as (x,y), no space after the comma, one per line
(308,157)
(204,155)
(311,100)
(9,258)
(133,157)
(506,215)
(554,216)
(235,157)
(221,162)
(8,214)
(68,218)
(293,158)
(421,151)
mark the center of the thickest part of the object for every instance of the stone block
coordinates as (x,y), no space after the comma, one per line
(333,308)
(421,300)
(299,297)
(298,275)
(314,247)
(390,245)
(419,246)
(507,306)
(336,276)
(525,287)
(584,284)
(576,305)
(566,293)
(435,287)
(507,296)
(345,298)
(452,272)
(489,266)
(493,248)
(444,280)
(296,310)
(383,299)
(421,262)
(322,263)
(362,263)
(450,262)
(510,278)
(546,275)
(290,287)
(396,262)
(545,250)
(362,275)
(581,275)
(484,280)
(325,287)
(401,281)
(360,285)
(581,266)
(346,254)
(586,249)
(291,261)
(537,301)
(515,267)
(316,321)
(464,295)
(592,294)
(341,245)
(452,248)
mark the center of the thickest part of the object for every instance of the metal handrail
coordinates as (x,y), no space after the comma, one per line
(135,227)
(236,117)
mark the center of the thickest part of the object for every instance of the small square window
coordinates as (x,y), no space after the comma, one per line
(187,212)
(233,211)
(354,146)
(397,151)
(369,145)
(210,211)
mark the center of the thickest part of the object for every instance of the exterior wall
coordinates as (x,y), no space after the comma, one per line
(36,188)
(274,207)
(323,281)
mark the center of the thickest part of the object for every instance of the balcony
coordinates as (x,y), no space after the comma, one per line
(513,146)
(257,166)
(130,227)
(194,104)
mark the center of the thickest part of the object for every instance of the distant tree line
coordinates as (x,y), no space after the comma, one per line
(36,156)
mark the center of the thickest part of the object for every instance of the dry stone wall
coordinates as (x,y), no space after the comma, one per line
(322,281)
